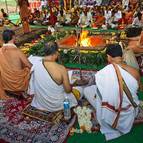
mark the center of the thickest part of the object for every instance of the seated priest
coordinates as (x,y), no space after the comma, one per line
(135,39)
(14,67)
(52,18)
(74,18)
(99,20)
(115,95)
(85,19)
(50,81)
(135,43)
(122,23)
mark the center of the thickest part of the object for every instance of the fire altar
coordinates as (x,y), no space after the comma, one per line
(83,42)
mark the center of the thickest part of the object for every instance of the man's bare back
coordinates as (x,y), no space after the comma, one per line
(59,74)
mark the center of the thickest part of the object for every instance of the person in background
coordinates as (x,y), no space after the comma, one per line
(122,23)
(5,15)
(85,19)
(135,39)
(137,21)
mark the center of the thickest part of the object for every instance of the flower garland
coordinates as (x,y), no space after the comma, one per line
(84,118)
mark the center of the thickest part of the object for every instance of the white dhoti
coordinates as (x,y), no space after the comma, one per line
(90,94)
(107,101)
(48,95)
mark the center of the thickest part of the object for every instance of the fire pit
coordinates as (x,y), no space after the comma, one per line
(84,42)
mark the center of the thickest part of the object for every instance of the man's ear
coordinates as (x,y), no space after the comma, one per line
(109,58)
(56,55)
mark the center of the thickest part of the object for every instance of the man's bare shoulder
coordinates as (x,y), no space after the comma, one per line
(133,69)
(134,72)
(62,68)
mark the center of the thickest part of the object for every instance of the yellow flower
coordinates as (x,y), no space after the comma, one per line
(28,44)
(84,51)
(25,50)
(42,36)
(113,33)
(94,52)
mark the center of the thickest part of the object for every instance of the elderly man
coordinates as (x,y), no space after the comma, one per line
(116,100)
(14,67)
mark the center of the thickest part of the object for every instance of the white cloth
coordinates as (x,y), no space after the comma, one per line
(136,22)
(107,85)
(118,15)
(130,59)
(129,56)
(48,95)
(85,19)
(125,3)
(90,94)
(67,18)
(107,15)
(98,2)
(111,21)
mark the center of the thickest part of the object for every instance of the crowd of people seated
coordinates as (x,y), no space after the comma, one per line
(117,16)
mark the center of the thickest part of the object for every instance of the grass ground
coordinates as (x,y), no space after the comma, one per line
(135,136)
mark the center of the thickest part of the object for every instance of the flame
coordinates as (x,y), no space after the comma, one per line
(84,39)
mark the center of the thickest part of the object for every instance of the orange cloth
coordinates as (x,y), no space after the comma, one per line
(100,20)
(129,17)
(24,14)
(11,79)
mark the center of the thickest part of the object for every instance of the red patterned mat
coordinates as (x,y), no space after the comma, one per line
(17,128)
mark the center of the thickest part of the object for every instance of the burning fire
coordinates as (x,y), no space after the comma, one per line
(84,39)
(91,41)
